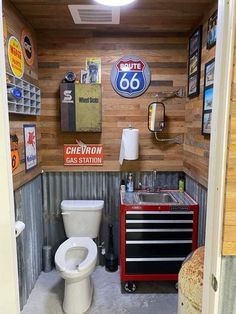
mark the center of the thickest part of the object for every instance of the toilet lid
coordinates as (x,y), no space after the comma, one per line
(73,242)
(82,205)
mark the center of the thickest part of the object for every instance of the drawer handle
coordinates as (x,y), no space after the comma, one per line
(160,221)
(135,212)
(158,241)
(159,230)
(155,259)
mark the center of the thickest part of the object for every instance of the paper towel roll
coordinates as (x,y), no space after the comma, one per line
(19,227)
(129,148)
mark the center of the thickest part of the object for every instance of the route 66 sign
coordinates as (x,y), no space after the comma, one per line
(130,76)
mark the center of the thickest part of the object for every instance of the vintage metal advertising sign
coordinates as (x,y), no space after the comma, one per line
(130,76)
(83,154)
(27,45)
(15,57)
(15,158)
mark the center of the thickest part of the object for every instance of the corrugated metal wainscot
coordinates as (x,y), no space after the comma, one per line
(28,206)
(199,194)
(91,185)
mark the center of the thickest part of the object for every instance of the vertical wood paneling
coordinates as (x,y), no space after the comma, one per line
(196,145)
(28,206)
(60,51)
(229,232)
(15,24)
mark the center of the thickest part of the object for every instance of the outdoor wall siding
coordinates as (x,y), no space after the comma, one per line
(199,194)
(28,206)
(228,286)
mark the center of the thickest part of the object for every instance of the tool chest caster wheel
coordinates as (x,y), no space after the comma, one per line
(130,286)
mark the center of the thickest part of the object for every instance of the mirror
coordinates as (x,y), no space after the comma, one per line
(156,117)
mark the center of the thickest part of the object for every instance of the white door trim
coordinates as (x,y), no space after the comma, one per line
(218,152)
(9,300)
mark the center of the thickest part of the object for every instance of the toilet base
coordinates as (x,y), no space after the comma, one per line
(77,296)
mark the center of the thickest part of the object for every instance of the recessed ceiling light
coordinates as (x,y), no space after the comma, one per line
(114,2)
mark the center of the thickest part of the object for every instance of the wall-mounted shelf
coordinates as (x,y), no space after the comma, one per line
(30,103)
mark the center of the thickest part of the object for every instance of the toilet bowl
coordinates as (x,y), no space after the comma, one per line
(76,259)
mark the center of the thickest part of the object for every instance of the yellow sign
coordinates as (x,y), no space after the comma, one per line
(15,57)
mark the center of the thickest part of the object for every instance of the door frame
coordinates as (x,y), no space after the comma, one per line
(218,154)
(9,289)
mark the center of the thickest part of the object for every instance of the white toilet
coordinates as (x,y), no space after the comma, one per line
(76,258)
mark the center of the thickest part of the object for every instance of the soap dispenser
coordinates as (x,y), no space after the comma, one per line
(130,183)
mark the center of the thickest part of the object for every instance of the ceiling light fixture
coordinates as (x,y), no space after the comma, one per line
(114,2)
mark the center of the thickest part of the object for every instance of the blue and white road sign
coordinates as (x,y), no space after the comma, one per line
(130,76)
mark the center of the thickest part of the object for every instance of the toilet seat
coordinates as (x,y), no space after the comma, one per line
(73,243)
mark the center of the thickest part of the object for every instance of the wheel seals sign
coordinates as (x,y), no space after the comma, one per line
(15,57)
(130,76)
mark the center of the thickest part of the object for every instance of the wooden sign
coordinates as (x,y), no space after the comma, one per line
(83,155)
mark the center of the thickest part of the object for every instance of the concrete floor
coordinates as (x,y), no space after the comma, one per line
(149,298)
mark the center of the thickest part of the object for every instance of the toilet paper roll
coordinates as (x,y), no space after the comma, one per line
(129,148)
(19,227)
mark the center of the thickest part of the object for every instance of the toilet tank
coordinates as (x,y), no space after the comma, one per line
(82,218)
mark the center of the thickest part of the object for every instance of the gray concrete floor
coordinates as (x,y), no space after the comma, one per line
(149,298)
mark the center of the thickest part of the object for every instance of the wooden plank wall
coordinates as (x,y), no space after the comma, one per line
(15,24)
(60,51)
(229,232)
(196,145)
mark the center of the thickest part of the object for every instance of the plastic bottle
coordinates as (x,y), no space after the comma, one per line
(122,185)
(181,183)
(130,183)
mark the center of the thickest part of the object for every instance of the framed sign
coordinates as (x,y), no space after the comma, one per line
(211,30)
(208,96)
(194,62)
(15,57)
(130,76)
(83,154)
(30,146)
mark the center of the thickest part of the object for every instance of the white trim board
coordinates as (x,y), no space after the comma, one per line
(218,153)
(9,300)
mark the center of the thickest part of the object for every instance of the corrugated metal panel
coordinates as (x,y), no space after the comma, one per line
(28,206)
(91,185)
(227,304)
(199,194)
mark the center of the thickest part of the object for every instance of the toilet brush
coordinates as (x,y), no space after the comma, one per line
(111,259)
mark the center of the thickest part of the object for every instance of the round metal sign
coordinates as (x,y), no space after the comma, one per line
(130,76)
(28,47)
(15,57)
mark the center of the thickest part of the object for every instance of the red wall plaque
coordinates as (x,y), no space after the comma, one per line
(83,155)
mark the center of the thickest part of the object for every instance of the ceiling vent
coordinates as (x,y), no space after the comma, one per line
(94,14)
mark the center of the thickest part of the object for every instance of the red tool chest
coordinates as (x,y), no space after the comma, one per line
(155,240)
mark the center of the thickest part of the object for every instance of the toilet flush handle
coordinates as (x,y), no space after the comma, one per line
(65,214)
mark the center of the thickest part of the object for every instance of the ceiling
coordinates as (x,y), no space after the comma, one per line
(143,16)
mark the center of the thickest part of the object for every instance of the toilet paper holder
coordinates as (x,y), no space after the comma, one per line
(19,227)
